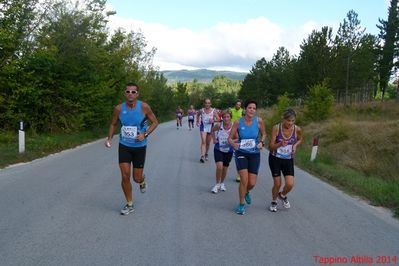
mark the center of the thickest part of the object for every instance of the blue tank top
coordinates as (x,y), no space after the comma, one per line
(133,122)
(248,136)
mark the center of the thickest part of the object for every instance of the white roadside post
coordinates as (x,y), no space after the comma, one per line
(21,137)
(314,148)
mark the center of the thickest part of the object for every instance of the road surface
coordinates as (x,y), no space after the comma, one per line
(64,210)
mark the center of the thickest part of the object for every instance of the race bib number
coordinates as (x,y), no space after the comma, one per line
(247,144)
(129,133)
(179,115)
(284,152)
(191,117)
(224,145)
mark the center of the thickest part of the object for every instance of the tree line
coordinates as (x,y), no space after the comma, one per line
(350,64)
(61,70)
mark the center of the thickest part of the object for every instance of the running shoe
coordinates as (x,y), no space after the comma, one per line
(248,199)
(206,157)
(127,209)
(215,189)
(222,187)
(202,159)
(240,209)
(273,206)
(286,203)
(143,186)
(238,179)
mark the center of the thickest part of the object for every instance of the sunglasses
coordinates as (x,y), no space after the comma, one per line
(132,92)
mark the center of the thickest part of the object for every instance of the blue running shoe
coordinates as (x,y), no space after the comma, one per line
(248,199)
(240,209)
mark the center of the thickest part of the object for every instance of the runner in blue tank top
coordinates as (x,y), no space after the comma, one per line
(133,116)
(285,138)
(247,150)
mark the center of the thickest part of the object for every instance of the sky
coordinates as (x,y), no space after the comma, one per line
(233,34)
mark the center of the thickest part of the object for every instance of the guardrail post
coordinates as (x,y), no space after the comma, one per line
(314,148)
(21,137)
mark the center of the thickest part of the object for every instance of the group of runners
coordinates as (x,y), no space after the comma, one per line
(236,132)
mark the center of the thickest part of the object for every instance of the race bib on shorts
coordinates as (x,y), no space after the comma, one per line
(129,133)
(247,144)
(191,117)
(284,152)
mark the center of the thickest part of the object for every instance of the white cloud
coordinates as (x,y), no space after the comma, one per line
(225,46)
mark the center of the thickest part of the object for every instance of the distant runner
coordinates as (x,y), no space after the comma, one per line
(237,112)
(191,117)
(179,117)
(205,119)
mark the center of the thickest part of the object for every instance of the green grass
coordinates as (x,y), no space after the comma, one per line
(37,146)
(358,150)
(40,145)
(377,191)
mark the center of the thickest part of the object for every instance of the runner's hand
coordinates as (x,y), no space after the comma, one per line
(140,137)
(108,143)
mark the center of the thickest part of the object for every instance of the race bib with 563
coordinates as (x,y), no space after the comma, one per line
(129,133)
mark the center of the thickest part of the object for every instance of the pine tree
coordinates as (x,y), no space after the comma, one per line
(389,34)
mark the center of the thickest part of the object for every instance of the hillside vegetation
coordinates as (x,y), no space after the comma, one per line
(202,75)
(358,150)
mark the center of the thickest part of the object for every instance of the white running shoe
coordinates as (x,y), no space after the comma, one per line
(222,187)
(215,189)
(273,206)
(286,203)
(127,209)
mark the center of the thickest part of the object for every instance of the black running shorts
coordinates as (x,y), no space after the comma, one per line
(224,157)
(250,161)
(278,166)
(134,155)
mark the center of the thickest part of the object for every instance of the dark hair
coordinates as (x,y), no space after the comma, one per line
(289,113)
(238,101)
(132,84)
(249,102)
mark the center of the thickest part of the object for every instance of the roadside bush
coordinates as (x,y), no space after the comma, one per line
(319,104)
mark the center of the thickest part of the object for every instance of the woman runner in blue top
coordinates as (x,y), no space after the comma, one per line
(247,149)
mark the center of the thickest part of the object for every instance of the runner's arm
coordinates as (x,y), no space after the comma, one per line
(298,137)
(262,132)
(150,116)
(114,123)
(234,136)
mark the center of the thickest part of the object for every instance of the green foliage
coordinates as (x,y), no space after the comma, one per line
(283,102)
(389,36)
(319,103)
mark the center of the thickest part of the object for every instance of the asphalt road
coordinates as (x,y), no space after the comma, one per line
(64,210)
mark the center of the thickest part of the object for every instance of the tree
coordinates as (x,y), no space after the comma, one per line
(389,35)
(347,42)
(314,60)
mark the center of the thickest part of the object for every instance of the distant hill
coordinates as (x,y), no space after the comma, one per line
(202,75)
